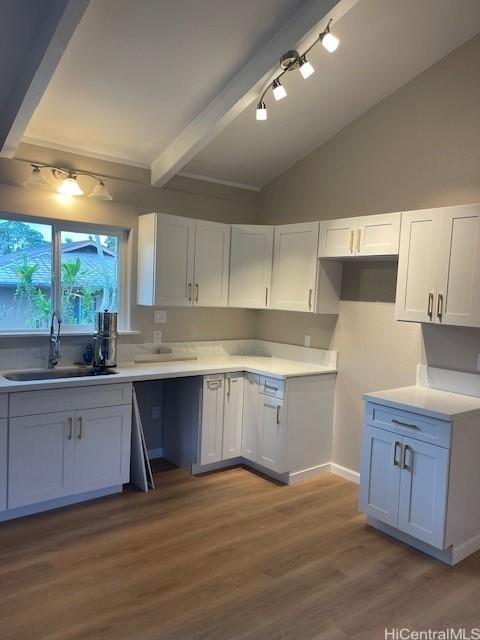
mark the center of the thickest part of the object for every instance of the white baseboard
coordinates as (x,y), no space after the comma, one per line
(461,551)
(155,453)
(345,472)
(306,474)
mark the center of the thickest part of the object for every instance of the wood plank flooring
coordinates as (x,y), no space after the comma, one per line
(226,556)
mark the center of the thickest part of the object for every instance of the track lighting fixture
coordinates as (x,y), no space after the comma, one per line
(69,185)
(293,60)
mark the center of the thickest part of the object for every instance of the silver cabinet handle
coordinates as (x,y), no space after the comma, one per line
(351,235)
(229,386)
(430,305)
(269,387)
(396,462)
(266,296)
(196,292)
(189,291)
(406,466)
(440,306)
(70,428)
(404,424)
(278,414)
(80,428)
(310,292)
(214,384)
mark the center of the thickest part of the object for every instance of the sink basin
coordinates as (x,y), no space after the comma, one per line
(55,374)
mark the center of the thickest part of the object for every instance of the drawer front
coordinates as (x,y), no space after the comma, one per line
(272,387)
(69,398)
(408,423)
(4,405)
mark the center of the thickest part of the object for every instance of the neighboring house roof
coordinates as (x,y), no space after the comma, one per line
(95,269)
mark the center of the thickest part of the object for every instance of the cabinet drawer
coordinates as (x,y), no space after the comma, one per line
(408,423)
(4,405)
(272,387)
(69,398)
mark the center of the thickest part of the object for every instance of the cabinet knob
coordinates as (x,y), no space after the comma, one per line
(80,428)
(70,428)
(440,306)
(278,414)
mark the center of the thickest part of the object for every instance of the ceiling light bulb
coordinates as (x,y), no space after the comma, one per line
(70,187)
(100,191)
(278,90)
(36,180)
(261,111)
(329,41)
(306,69)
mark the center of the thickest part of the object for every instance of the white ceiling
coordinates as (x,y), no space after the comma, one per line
(384,44)
(136,76)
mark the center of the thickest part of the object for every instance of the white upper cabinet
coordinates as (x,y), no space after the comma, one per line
(295,267)
(212,246)
(376,235)
(166,253)
(182,262)
(439,266)
(417,265)
(458,298)
(251,253)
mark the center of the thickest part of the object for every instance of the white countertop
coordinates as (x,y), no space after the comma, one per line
(443,405)
(270,366)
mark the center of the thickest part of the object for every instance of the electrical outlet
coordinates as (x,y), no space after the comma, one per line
(160,317)
(306,341)
(157,336)
(155,413)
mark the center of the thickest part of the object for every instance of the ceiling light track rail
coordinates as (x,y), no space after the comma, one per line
(294,60)
(68,177)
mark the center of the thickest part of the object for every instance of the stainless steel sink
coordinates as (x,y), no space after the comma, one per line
(55,374)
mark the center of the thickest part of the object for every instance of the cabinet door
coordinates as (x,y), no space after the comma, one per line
(250,416)
(378,235)
(458,299)
(102,447)
(423,491)
(295,267)
(417,265)
(174,260)
(212,247)
(232,417)
(337,238)
(271,433)
(212,420)
(251,253)
(3,463)
(40,458)
(380,474)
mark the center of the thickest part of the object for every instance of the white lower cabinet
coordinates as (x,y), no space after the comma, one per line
(250,416)
(271,433)
(57,454)
(233,416)
(211,441)
(404,480)
(40,458)
(102,448)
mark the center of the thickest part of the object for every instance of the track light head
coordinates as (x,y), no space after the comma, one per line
(328,40)
(306,69)
(261,111)
(279,91)
(70,186)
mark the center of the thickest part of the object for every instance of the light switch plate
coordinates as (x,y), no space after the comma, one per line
(157,336)
(160,317)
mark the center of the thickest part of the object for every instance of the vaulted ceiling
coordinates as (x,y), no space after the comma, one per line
(173,85)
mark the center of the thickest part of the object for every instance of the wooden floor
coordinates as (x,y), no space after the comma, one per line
(221,557)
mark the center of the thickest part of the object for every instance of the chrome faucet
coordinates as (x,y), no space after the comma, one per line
(54,342)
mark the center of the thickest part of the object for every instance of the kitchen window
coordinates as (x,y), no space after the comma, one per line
(76,269)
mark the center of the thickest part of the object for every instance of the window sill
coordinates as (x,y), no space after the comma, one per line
(43,334)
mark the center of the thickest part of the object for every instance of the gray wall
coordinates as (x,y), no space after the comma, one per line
(418,148)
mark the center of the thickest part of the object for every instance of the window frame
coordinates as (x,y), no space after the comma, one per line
(79,227)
